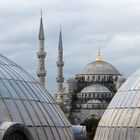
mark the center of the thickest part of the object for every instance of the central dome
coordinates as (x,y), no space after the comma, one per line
(99,67)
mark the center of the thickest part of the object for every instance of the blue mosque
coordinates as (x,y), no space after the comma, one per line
(88,93)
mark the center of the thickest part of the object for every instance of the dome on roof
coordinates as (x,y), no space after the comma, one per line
(121,120)
(94,101)
(96,88)
(99,67)
(25,101)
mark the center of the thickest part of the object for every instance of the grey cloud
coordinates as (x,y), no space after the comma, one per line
(86,24)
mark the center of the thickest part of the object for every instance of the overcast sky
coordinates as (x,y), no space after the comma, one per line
(112,25)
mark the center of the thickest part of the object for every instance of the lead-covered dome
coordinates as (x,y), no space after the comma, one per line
(99,68)
(25,101)
(121,120)
(98,88)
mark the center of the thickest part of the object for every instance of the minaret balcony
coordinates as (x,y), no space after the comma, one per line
(41,54)
(60,64)
(41,73)
(60,79)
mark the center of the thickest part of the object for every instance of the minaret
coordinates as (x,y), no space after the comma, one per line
(60,64)
(41,73)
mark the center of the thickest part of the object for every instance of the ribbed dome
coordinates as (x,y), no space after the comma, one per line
(99,67)
(95,88)
(121,120)
(25,101)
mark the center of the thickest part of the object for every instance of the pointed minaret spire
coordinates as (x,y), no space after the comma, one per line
(60,64)
(41,30)
(41,73)
(60,41)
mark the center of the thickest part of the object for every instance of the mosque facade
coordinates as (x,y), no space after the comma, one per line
(88,93)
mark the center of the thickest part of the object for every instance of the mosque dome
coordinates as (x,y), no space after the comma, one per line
(94,101)
(27,109)
(95,88)
(121,120)
(95,91)
(99,67)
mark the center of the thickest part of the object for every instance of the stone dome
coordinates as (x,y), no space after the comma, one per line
(24,102)
(95,88)
(121,120)
(99,68)
(94,101)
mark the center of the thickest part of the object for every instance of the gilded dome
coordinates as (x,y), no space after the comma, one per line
(121,120)
(99,68)
(24,101)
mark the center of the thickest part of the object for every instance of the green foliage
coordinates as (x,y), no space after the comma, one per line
(91,125)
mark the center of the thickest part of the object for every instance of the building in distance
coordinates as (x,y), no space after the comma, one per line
(87,94)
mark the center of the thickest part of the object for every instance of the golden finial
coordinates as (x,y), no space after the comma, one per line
(98,59)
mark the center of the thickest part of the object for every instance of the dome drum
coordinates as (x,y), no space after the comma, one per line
(96,77)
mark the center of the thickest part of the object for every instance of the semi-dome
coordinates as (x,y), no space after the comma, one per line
(27,108)
(99,67)
(94,101)
(121,120)
(95,88)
